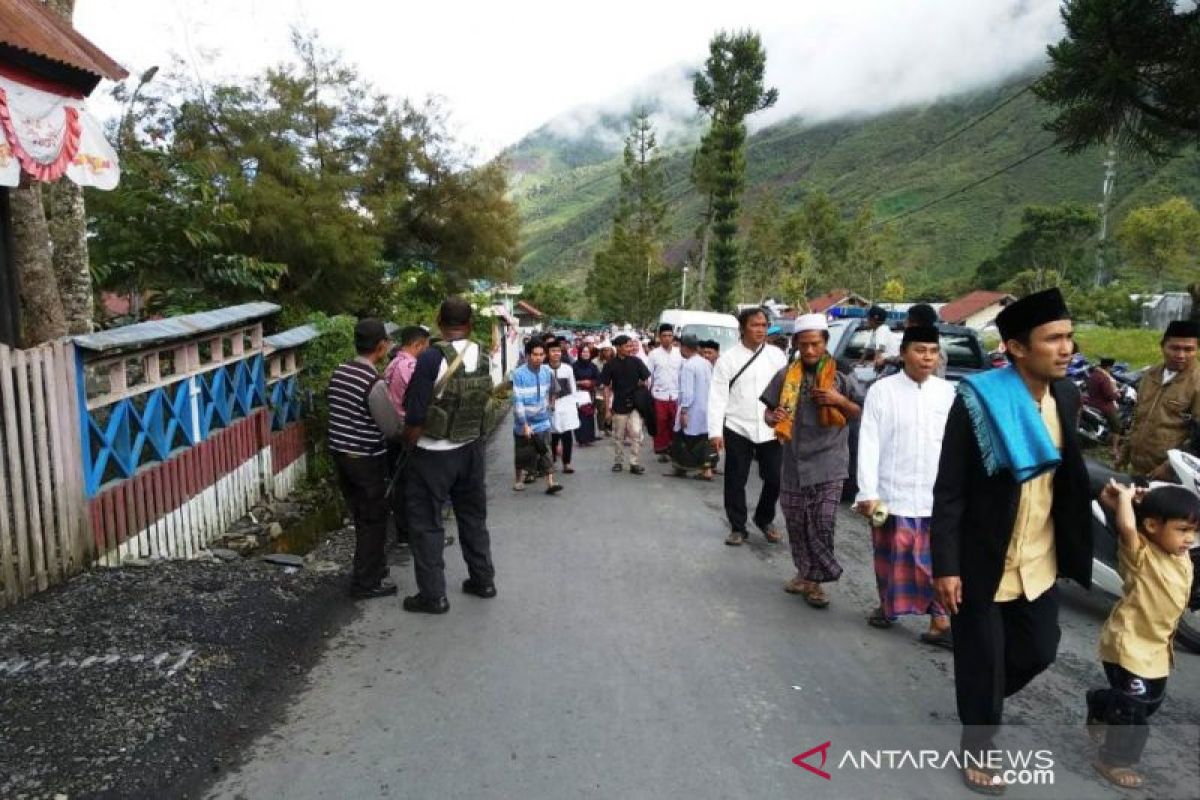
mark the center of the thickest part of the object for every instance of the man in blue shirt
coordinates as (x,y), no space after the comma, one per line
(534,391)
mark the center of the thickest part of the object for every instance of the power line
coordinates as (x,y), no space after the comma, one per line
(966,188)
(971,124)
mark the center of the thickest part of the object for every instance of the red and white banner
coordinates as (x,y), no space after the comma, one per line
(48,136)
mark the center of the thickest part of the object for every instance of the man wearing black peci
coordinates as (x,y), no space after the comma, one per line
(361,420)
(1010,514)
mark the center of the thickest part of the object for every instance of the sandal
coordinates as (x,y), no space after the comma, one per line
(878,620)
(518,487)
(940,639)
(568,470)
(816,598)
(990,788)
(1124,777)
(555,489)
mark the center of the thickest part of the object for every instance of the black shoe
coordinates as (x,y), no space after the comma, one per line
(637,469)
(484,590)
(381,589)
(617,468)
(418,604)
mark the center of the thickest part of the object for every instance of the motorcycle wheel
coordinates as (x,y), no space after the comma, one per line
(1188,633)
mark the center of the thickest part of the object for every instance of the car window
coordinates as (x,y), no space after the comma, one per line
(961,349)
(726,337)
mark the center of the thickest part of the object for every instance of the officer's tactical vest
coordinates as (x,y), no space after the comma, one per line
(459,414)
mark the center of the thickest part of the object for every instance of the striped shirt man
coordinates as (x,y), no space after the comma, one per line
(361,415)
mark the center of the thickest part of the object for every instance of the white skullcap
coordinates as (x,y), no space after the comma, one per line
(811,322)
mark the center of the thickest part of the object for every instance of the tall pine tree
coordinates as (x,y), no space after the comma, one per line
(629,281)
(728,90)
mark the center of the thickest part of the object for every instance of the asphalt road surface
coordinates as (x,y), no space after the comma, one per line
(631,654)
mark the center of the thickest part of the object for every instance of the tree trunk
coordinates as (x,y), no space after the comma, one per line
(41,305)
(68,235)
(67,220)
(701,299)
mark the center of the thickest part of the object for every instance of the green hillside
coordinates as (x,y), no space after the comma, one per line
(566,189)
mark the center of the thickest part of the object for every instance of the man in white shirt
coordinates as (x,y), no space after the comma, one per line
(883,342)
(737,425)
(899,444)
(446,412)
(664,362)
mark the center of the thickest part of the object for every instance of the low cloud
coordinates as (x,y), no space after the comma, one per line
(850,60)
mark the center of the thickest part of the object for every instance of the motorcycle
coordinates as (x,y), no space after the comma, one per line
(1105,576)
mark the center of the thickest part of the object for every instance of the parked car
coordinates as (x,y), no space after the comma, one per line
(721,328)
(964,352)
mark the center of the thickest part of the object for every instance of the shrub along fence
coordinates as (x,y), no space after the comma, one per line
(142,442)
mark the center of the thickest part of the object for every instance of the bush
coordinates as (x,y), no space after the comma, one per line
(322,356)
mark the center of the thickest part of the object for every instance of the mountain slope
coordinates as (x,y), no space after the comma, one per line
(566,188)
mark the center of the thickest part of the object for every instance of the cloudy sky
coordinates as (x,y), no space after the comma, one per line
(507,68)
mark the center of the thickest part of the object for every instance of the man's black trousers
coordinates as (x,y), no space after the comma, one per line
(363,480)
(998,649)
(433,477)
(739,453)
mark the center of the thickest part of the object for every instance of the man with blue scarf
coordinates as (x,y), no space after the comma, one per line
(1010,515)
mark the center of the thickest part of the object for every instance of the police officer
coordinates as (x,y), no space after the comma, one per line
(361,418)
(446,409)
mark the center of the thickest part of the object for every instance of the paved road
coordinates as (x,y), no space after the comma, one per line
(630,654)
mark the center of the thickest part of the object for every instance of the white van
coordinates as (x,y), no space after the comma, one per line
(722,328)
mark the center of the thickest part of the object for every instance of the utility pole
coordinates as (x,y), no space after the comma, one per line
(683,289)
(1110,175)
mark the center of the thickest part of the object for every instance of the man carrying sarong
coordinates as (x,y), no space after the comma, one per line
(899,443)
(807,404)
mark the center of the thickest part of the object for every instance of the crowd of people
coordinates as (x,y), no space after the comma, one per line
(977,494)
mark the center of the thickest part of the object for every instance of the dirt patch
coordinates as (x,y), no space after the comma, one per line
(144,681)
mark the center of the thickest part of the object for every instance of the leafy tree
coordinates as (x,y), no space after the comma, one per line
(1128,72)
(1163,241)
(551,298)
(302,185)
(190,258)
(728,90)
(1052,244)
(629,280)
(765,249)
(893,291)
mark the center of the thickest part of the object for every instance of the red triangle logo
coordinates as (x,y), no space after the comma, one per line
(801,760)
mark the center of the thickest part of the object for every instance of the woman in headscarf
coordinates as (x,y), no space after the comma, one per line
(587,375)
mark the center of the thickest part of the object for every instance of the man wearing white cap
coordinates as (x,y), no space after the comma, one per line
(737,425)
(809,408)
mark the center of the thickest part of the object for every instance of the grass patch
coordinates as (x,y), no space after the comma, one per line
(1139,347)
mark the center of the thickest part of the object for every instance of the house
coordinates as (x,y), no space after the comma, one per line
(837,298)
(1159,310)
(528,317)
(977,310)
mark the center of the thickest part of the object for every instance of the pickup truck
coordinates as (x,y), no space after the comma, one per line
(847,341)
(848,338)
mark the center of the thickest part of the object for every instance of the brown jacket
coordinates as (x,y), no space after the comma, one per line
(1164,418)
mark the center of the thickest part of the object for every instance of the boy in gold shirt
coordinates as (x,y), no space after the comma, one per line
(1135,645)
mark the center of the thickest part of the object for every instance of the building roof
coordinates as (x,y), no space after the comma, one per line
(30,26)
(522,306)
(819,305)
(958,311)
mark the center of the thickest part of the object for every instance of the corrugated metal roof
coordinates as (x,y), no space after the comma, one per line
(131,337)
(294,337)
(30,26)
